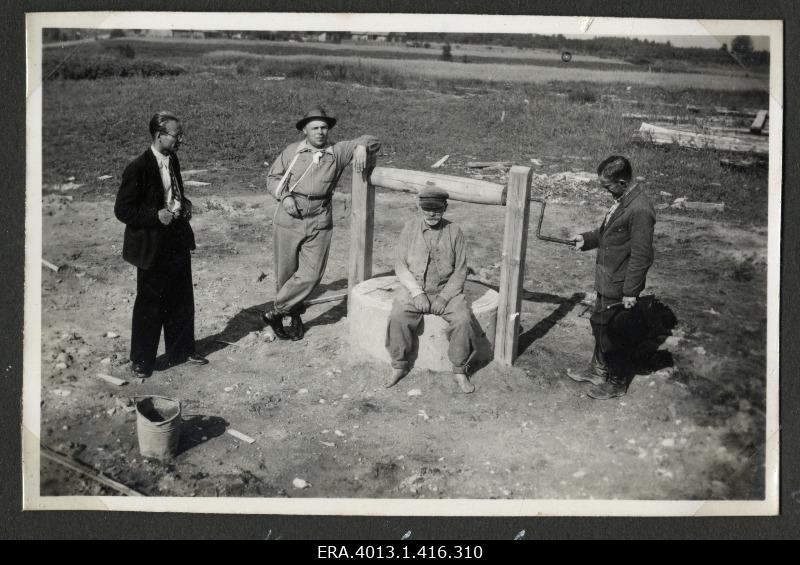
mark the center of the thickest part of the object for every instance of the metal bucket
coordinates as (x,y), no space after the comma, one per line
(158,426)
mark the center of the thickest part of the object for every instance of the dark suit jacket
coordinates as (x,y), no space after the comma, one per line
(624,246)
(140,197)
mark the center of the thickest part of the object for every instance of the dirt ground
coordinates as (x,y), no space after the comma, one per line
(690,427)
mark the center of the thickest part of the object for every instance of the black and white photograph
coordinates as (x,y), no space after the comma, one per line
(394,264)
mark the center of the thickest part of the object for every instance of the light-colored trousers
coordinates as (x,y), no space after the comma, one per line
(406,318)
(301,247)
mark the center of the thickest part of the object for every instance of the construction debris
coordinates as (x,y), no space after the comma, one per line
(743,164)
(240,435)
(440,162)
(649,133)
(113,380)
(744,113)
(51,266)
(195,183)
(300,483)
(489,164)
(758,124)
(85,470)
(105,177)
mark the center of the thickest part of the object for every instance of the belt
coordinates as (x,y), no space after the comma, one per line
(311,196)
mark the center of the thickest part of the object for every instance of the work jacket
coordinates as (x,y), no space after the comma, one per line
(624,246)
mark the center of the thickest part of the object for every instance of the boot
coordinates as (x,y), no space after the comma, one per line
(297,330)
(274,319)
(614,387)
(596,373)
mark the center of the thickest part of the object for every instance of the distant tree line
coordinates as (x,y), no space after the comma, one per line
(634,50)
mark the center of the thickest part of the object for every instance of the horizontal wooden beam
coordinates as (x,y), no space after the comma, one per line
(459,188)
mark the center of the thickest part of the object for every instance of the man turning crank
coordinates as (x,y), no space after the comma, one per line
(624,243)
(431,265)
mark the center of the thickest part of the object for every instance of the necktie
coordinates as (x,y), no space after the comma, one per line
(173,195)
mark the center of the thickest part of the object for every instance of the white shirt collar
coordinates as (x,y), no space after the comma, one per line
(163,160)
(306,146)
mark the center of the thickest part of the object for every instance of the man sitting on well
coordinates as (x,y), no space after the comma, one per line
(431,265)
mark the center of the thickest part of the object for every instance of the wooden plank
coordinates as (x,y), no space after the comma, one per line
(240,436)
(489,164)
(362,216)
(51,266)
(112,380)
(440,162)
(650,133)
(459,188)
(83,469)
(758,123)
(512,270)
(324,299)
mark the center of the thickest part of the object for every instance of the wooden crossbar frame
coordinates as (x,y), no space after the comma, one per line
(515,197)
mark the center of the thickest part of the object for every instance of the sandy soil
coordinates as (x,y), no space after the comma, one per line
(691,426)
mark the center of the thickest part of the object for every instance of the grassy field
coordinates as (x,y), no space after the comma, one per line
(237,120)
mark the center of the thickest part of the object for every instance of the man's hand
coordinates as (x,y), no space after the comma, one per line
(438,305)
(165,216)
(186,210)
(359,158)
(422,303)
(578,239)
(628,302)
(290,206)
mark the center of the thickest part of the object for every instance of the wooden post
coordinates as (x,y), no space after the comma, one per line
(512,270)
(362,215)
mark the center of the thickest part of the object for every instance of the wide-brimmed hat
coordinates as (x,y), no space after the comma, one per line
(316,113)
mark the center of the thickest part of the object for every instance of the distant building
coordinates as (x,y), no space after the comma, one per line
(373,36)
(157,32)
(189,34)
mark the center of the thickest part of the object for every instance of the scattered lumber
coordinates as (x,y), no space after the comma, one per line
(112,380)
(87,471)
(743,164)
(649,133)
(745,113)
(240,436)
(51,266)
(704,206)
(758,124)
(489,164)
(440,162)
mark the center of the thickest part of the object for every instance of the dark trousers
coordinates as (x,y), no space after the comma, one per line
(164,299)
(608,356)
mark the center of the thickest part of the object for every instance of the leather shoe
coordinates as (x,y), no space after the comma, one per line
(297,330)
(140,372)
(195,359)
(612,388)
(274,320)
(590,375)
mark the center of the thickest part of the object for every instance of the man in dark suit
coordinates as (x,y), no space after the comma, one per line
(158,241)
(624,244)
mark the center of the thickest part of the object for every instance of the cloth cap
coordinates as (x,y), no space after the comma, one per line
(316,113)
(432,198)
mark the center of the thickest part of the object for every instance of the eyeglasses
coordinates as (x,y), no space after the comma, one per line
(178,137)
